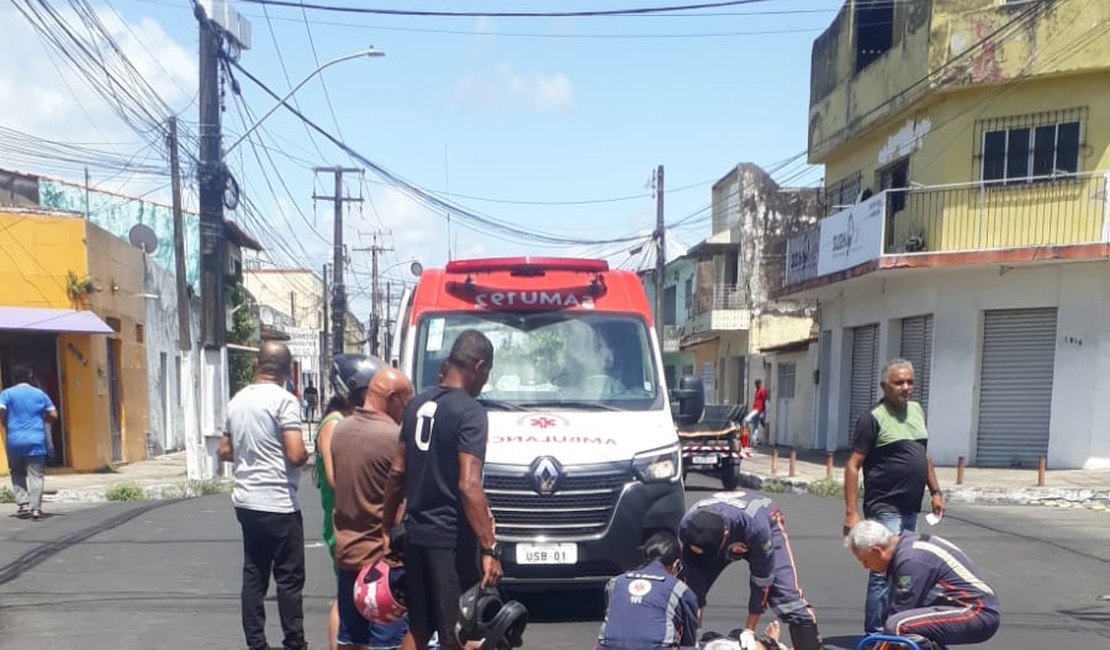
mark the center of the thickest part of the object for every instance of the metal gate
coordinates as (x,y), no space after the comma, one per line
(917,348)
(1015,386)
(865,381)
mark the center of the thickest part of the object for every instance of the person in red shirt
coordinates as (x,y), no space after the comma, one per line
(758,415)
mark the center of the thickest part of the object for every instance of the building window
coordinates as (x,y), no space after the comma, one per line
(874,30)
(669,304)
(140,333)
(787,374)
(1030,148)
(689,288)
(843,193)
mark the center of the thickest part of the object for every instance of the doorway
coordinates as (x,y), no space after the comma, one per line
(40,353)
(115,399)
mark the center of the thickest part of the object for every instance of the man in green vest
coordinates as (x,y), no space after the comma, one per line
(890,444)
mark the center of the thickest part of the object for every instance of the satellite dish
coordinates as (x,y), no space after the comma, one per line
(143,238)
(416,268)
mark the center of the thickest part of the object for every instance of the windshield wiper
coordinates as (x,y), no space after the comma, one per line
(498,404)
(571,404)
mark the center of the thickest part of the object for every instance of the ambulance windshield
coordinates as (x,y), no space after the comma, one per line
(551,359)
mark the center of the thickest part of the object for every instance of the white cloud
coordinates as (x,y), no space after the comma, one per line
(505,88)
(41,94)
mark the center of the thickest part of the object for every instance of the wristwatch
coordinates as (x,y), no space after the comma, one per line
(493,551)
(936,492)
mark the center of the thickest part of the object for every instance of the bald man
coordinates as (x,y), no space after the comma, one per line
(362,449)
(263,439)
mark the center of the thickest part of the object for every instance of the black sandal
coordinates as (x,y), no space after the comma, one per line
(23,512)
(36,514)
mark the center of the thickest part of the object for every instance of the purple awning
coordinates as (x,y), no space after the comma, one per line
(37,319)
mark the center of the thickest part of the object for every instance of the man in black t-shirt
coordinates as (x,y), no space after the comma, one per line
(438,474)
(890,444)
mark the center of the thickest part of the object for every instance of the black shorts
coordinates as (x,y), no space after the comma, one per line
(434,580)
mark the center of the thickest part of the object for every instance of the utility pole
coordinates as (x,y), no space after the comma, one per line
(324,356)
(387,336)
(339,291)
(184,335)
(213,249)
(375,296)
(661,253)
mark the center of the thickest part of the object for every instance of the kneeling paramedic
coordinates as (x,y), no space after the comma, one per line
(938,593)
(649,608)
(735,526)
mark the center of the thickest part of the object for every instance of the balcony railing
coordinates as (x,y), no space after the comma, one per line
(720,297)
(1045,212)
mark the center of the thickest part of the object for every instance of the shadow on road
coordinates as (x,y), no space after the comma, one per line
(45,551)
(564,606)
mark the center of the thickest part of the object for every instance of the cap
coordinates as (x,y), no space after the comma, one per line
(706,530)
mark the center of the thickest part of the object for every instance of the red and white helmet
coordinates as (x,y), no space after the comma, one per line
(374,596)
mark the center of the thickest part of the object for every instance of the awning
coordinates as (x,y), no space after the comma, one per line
(695,340)
(38,319)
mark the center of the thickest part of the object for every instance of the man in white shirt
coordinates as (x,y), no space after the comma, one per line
(264,441)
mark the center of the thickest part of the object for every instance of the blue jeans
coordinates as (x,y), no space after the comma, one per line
(878,587)
(356,630)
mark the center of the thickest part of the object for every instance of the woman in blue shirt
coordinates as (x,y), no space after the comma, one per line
(25,411)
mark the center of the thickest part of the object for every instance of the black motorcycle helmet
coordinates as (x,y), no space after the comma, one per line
(351,373)
(484,616)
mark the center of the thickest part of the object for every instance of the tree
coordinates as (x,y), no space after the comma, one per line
(244,331)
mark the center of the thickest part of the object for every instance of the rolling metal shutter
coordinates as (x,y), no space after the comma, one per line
(1015,386)
(917,348)
(865,381)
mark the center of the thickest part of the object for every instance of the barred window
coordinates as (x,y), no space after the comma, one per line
(1030,148)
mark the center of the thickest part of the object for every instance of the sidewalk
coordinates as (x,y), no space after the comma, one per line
(165,477)
(980,485)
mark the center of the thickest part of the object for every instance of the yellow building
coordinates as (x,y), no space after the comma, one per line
(71,306)
(966,145)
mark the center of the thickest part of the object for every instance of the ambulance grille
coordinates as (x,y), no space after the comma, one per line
(581,505)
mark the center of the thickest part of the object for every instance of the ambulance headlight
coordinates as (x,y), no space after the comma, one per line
(657,465)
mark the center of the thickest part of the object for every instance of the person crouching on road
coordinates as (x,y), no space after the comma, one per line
(735,526)
(362,449)
(649,608)
(938,593)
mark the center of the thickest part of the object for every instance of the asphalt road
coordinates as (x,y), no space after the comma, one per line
(166,575)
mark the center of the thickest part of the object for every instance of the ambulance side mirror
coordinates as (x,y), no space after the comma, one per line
(688,401)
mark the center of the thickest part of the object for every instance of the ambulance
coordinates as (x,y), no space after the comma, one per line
(583,462)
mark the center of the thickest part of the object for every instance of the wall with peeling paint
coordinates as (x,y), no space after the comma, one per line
(118,214)
(943,47)
(945,152)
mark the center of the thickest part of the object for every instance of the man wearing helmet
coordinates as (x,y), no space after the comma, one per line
(350,376)
(362,449)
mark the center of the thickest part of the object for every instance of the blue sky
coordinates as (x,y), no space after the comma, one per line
(553,117)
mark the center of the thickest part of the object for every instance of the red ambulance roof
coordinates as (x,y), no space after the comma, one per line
(529,284)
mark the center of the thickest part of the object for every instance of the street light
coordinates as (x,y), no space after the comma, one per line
(367,52)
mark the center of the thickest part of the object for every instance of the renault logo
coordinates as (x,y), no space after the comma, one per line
(545,475)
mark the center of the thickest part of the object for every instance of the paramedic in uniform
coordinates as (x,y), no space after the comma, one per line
(938,593)
(735,526)
(649,608)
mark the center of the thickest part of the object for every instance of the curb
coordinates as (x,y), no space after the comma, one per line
(152,492)
(1046,496)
